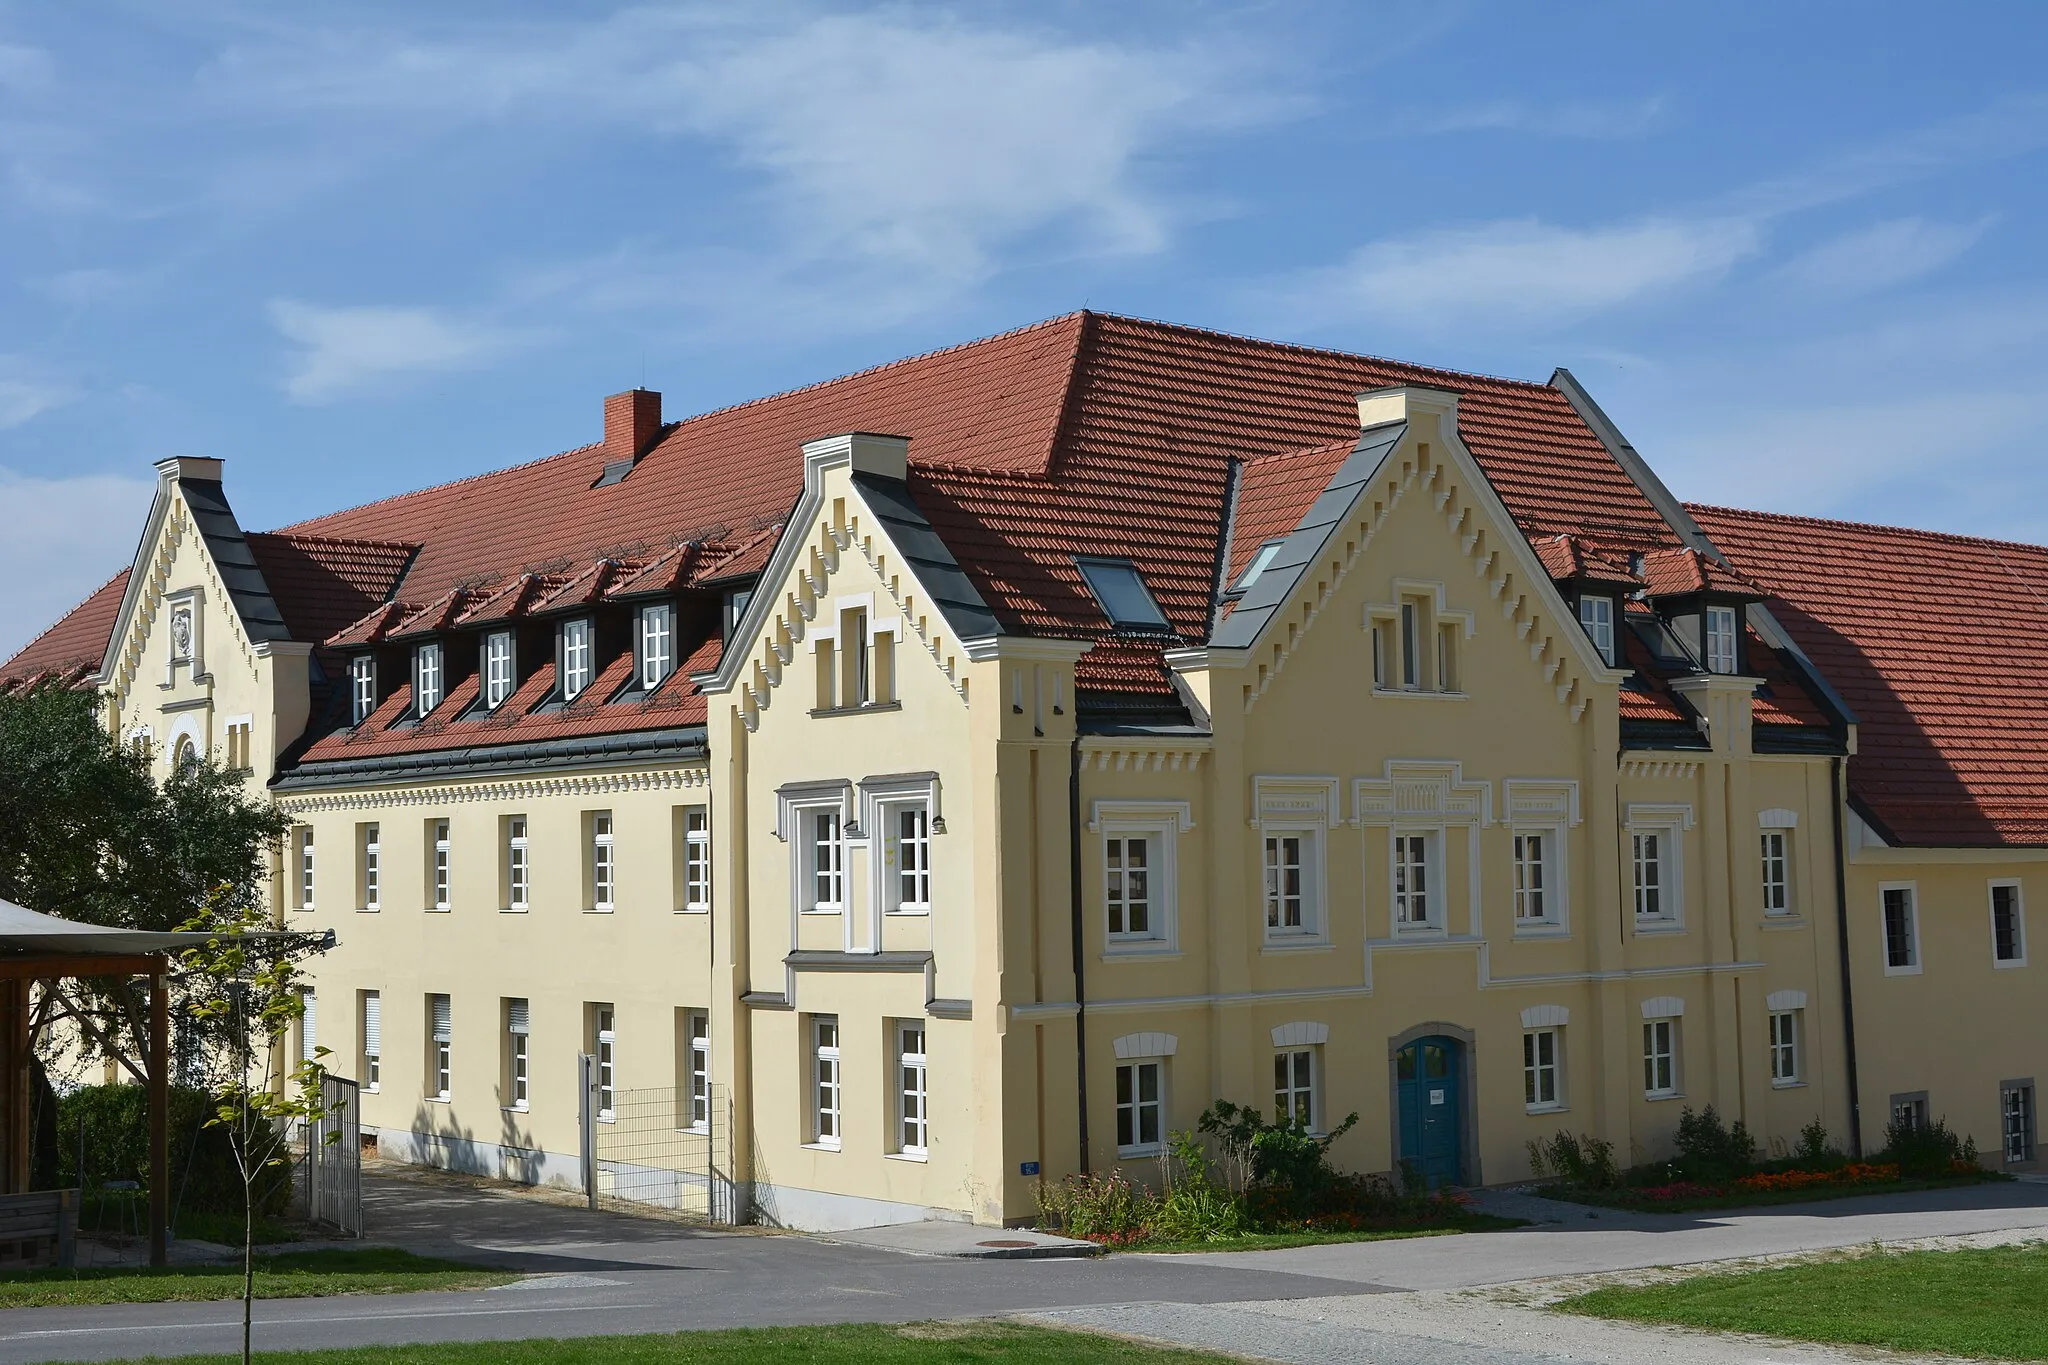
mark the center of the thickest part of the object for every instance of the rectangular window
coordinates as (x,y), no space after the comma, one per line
(1128,869)
(1447,657)
(1411,649)
(697,1024)
(1379,654)
(1910,1110)
(426,679)
(518,1055)
(1649,869)
(369,869)
(1720,628)
(1777,867)
(825,1129)
(657,644)
(1785,1047)
(440,1046)
(1596,614)
(908,859)
(1294,1086)
(362,687)
(1413,905)
(1284,892)
(853,645)
(1140,1106)
(304,840)
(1532,877)
(603,866)
(604,1047)
(2016,1119)
(1660,1057)
(518,868)
(438,831)
(1540,1087)
(696,858)
(2008,925)
(309,1025)
(575,658)
(827,862)
(1901,930)
(498,673)
(370,1005)
(913,1090)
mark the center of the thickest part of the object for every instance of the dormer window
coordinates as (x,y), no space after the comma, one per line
(1596,614)
(575,658)
(498,673)
(362,687)
(428,680)
(657,645)
(1720,626)
(1124,598)
(1267,553)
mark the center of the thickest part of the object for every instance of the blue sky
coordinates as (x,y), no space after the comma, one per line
(1795,250)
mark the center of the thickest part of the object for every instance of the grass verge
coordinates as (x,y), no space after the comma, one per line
(1275,1241)
(1751,1199)
(1983,1302)
(918,1343)
(292,1275)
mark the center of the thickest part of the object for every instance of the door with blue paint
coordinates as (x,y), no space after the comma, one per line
(1429,1077)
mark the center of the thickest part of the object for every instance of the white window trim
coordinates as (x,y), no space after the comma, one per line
(305,868)
(1797,1048)
(1162,822)
(604,1050)
(1555,920)
(1559,1104)
(1314,928)
(1436,909)
(1609,652)
(441,867)
(422,656)
(603,843)
(2019,899)
(370,1039)
(493,698)
(699,1054)
(1549,807)
(1677,1086)
(645,661)
(362,699)
(370,866)
(1133,1150)
(1791,906)
(1670,822)
(1315,1082)
(1707,651)
(1912,890)
(696,842)
(1387,616)
(816,1111)
(519,890)
(589,650)
(901,1060)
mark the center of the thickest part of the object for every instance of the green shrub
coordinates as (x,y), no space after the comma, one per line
(1275,1156)
(1815,1152)
(1100,1206)
(1709,1150)
(115,1120)
(1581,1161)
(1194,1206)
(1924,1152)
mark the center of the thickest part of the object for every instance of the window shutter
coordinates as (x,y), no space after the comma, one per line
(444,1025)
(307,1030)
(373,1024)
(516,1017)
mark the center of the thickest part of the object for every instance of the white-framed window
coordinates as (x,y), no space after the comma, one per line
(1128,885)
(825,861)
(907,857)
(1417,901)
(440,1047)
(1122,593)
(428,678)
(1650,878)
(696,858)
(302,841)
(1294,1086)
(604,1045)
(1140,1106)
(2008,925)
(1535,877)
(1777,871)
(2016,1119)
(309,1024)
(1720,639)
(825,1081)
(1290,883)
(518,864)
(1901,927)
(369,866)
(576,661)
(1660,1058)
(853,637)
(443,888)
(1785,1047)
(1140,844)
(362,687)
(1542,1069)
(603,862)
(499,675)
(518,1053)
(370,1011)
(657,644)
(697,1027)
(913,1090)
(1411,645)
(1596,614)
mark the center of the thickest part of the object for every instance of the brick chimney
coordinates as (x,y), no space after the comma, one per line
(631,422)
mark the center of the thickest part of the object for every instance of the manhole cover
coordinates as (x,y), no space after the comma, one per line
(1006,1242)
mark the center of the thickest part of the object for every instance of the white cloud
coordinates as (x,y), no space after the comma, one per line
(1582,120)
(349,348)
(1881,255)
(24,68)
(22,400)
(64,538)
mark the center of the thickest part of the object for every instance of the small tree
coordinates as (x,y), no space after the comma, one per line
(245,979)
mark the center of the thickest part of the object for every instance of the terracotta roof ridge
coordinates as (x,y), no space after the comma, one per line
(1955,537)
(51,629)
(304,538)
(1070,400)
(290,529)
(1296,452)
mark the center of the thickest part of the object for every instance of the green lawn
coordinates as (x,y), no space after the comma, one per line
(928,1343)
(1630,1200)
(293,1275)
(1982,1302)
(1274,1241)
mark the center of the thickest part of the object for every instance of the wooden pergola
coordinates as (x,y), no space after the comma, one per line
(37,947)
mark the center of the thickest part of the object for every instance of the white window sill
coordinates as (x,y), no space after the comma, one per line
(820,1146)
(439,1099)
(1913,970)
(1282,946)
(822,910)
(1783,922)
(1546,1109)
(694,910)
(373,1088)
(1661,1096)
(1541,929)
(1142,1153)
(1419,694)
(600,910)
(607,1118)
(909,912)
(513,1109)
(918,1158)
(1788,1085)
(1653,928)
(368,909)
(1164,953)
(514,910)
(695,1129)
(440,909)
(1419,931)
(2008,963)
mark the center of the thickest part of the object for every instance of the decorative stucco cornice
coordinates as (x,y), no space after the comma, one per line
(1125,755)
(518,789)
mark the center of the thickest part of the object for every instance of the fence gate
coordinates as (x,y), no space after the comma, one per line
(334,1168)
(656,1148)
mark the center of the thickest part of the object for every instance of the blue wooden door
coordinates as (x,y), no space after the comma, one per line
(1429,1076)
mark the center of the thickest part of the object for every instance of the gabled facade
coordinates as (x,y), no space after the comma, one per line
(1111,718)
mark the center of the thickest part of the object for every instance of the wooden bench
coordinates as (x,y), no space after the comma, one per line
(38,1229)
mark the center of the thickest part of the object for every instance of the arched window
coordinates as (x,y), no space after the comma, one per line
(186,756)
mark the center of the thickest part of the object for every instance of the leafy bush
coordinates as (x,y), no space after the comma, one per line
(1098,1207)
(1194,1206)
(1275,1156)
(1924,1152)
(1581,1161)
(1709,1150)
(116,1147)
(1815,1152)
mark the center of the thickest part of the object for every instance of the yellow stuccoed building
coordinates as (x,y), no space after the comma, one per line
(964,772)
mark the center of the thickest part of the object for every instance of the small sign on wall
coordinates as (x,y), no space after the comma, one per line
(1436,1097)
(1027,1168)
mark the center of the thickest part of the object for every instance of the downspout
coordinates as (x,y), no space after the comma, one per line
(1836,796)
(1080,995)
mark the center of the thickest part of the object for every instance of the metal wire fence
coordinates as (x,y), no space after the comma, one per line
(333,1167)
(649,1152)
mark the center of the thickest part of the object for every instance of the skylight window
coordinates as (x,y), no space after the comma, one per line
(1267,553)
(1122,593)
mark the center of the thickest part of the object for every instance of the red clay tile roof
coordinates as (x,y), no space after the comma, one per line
(321,583)
(78,639)
(1682,572)
(1272,493)
(1939,644)
(1567,557)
